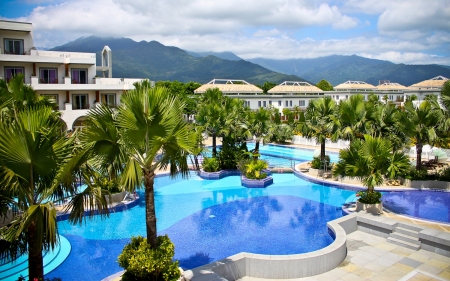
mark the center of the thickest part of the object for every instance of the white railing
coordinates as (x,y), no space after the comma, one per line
(340,144)
(116,81)
(55,54)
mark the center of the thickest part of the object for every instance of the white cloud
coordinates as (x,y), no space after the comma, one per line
(409,58)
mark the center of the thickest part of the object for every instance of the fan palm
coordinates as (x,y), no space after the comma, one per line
(370,160)
(258,125)
(32,153)
(419,123)
(150,121)
(353,119)
(319,122)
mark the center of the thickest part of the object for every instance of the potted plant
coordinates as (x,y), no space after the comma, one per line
(254,174)
(370,160)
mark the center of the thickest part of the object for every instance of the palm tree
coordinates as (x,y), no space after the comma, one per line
(211,114)
(419,123)
(352,116)
(150,121)
(370,160)
(259,125)
(319,121)
(33,168)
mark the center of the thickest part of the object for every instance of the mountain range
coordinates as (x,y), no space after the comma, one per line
(157,62)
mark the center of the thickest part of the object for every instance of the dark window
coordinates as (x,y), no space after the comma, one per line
(80,101)
(48,76)
(14,46)
(109,99)
(79,76)
(10,72)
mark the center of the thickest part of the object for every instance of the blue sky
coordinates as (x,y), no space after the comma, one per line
(401,31)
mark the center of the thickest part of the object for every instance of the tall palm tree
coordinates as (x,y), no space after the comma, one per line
(33,157)
(353,119)
(319,122)
(370,160)
(419,123)
(259,125)
(151,123)
(211,114)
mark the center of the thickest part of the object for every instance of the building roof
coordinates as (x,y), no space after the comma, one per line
(16,26)
(436,82)
(355,85)
(292,87)
(391,86)
(229,86)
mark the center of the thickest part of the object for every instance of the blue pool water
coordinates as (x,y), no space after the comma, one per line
(425,204)
(210,220)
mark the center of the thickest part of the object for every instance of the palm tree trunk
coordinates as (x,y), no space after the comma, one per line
(214,149)
(419,155)
(150,214)
(256,150)
(35,259)
(322,150)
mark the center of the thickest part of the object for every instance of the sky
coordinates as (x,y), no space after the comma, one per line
(400,31)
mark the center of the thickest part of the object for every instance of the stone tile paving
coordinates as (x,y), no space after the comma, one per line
(372,258)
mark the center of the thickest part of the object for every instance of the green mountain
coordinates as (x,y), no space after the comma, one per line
(221,55)
(157,62)
(338,69)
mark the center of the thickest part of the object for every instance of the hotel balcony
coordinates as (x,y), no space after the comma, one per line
(37,56)
(97,84)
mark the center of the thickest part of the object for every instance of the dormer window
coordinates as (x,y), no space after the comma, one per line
(14,46)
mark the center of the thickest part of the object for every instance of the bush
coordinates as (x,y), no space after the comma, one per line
(144,263)
(252,168)
(111,185)
(316,163)
(444,175)
(210,165)
(367,197)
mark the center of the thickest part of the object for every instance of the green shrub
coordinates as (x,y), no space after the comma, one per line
(111,185)
(444,174)
(252,168)
(367,197)
(144,263)
(316,163)
(210,165)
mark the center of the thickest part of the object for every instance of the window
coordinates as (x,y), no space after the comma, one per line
(109,99)
(48,76)
(346,97)
(391,97)
(79,76)
(259,103)
(264,103)
(286,103)
(270,102)
(14,46)
(337,97)
(301,103)
(54,98)
(290,103)
(10,72)
(80,101)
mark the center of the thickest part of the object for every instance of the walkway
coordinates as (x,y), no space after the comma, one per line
(371,258)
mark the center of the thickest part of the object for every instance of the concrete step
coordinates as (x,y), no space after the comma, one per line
(406,231)
(403,243)
(406,238)
(409,226)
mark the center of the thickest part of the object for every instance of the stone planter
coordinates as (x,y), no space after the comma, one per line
(442,185)
(374,209)
(249,183)
(217,175)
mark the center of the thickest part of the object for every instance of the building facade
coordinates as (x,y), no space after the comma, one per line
(68,77)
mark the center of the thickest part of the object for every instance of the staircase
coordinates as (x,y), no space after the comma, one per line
(405,235)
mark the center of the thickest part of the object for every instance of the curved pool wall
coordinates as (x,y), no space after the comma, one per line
(209,221)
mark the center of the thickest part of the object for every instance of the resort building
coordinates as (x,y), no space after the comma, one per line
(345,90)
(286,95)
(70,78)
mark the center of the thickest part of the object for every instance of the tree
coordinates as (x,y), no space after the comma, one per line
(150,122)
(419,123)
(259,125)
(319,121)
(352,118)
(267,86)
(324,85)
(211,114)
(370,160)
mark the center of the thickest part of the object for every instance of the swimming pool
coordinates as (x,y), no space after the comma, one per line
(210,220)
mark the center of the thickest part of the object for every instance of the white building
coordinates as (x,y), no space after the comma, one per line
(68,77)
(286,95)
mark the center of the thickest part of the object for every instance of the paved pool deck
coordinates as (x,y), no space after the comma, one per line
(372,258)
